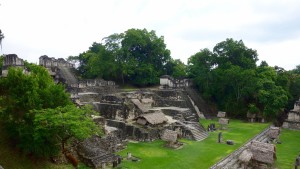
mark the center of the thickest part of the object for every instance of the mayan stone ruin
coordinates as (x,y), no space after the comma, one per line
(293,120)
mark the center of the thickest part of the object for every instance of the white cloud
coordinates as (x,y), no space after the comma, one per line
(61,28)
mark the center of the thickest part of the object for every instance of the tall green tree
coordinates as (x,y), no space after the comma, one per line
(136,56)
(38,113)
(235,53)
(296,70)
(272,98)
(229,77)
(176,68)
(199,68)
(55,128)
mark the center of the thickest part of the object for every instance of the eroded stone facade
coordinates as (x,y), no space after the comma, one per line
(293,120)
(11,60)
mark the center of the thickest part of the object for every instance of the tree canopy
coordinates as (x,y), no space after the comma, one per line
(136,56)
(28,99)
(229,77)
(55,127)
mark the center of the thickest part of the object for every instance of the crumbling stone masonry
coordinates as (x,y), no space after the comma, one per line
(11,60)
(293,120)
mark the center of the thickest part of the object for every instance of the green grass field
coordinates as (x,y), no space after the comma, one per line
(288,150)
(197,155)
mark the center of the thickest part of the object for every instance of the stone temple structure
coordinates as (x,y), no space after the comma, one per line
(141,115)
(293,120)
(167,81)
(59,69)
(52,62)
(11,60)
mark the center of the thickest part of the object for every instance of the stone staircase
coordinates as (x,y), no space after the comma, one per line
(199,102)
(189,115)
(231,161)
(196,130)
(66,74)
(198,134)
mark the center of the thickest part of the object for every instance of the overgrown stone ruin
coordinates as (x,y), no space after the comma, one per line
(12,60)
(293,120)
(258,155)
(142,115)
(98,152)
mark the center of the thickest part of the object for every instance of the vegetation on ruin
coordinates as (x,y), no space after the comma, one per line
(227,77)
(137,56)
(13,158)
(37,113)
(197,155)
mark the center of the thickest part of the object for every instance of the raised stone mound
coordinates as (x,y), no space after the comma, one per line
(169,136)
(223,123)
(190,130)
(93,154)
(11,60)
(221,114)
(274,132)
(293,120)
(155,118)
(114,107)
(263,152)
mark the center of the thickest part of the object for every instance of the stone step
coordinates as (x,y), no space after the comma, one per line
(231,163)
(236,165)
(199,135)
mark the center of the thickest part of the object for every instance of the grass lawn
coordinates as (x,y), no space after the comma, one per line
(288,150)
(197,155)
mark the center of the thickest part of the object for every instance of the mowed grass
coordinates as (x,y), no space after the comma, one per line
(193,155)
(288,150)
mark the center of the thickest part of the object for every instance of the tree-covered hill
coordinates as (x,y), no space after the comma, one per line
(138,57)
(229,77)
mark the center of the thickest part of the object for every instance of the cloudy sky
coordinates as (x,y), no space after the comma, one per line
(60,28)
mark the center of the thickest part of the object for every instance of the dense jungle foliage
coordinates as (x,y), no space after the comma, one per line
(38,114)
(36,110)
(136,56)
(228,76)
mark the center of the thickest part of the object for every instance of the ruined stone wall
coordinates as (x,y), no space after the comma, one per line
(112,111)
(171,94)
(167,81)
(291,125)
(293,121)
(94,82)
(294,117)
(11,60)
(52,62)
(161,102)
(135,132)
